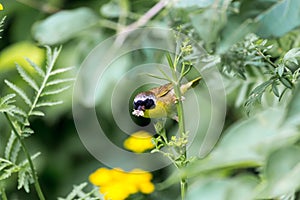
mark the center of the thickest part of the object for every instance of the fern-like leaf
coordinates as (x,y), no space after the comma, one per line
(37,113)
(59,81)
(25,177)
(51,58)
(5,103)
(61,70)
(19,91)
(27,78)
(19,111)
(36,68)
(1,24)
(55,91)
(7,168)
(12,148)
(48,104)
(78,193)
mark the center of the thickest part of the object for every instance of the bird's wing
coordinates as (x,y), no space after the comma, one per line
(162,90)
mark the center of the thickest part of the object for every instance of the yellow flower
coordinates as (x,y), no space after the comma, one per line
(1,7)
(115,184)
(139,142)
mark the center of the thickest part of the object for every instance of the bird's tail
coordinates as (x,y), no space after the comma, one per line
(190,84)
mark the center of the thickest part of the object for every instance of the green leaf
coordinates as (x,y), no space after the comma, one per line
(36,68)
(235,31)
(237,188)
(19,111)
(111,10)
(279,19)
(208,24)
(55,91)
(275,89)
(24,179)
(19,91)
(12,148)
(280,69)
(61,70)
(58,81)
(45,104)
(16,53)
(5,103)
(37,113)
(63,25)
(282,173)
(247,143)
(266,18)
(7,98)
(7,168)
(27,78)
(293,110)
(286,82)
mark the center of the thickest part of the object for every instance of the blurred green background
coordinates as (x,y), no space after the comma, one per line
(231,32)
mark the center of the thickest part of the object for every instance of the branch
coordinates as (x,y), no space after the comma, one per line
(141,21)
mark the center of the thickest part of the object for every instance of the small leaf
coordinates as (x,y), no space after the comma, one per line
(293,111)
(55,82)
(292,56)
(280,69)
(28,131)
(19,111)
(9,146)
(53,103)
(56,91)
(37,113)
(19,91)
(275,89)
(6,98)
(170,61)
(61,70)
(27,78)
(286,82)
(36,67)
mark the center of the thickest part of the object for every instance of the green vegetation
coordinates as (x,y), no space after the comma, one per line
(254,45)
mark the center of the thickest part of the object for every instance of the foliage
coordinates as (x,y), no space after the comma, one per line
(254,43)
(45,85)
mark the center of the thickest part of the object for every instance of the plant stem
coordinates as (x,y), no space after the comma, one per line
(34,174)
(181,126)
(3,195)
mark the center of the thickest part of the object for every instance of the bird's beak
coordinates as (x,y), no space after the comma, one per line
(141,108)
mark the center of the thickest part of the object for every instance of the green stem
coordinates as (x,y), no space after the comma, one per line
(3,194)
(34,174)
(181,127)
(267,59)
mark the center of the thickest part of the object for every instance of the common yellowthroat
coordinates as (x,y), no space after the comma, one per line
(160,101)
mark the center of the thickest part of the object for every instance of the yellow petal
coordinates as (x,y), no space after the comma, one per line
(1,7)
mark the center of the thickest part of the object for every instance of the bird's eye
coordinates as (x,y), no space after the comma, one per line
(136,104)
(149,103)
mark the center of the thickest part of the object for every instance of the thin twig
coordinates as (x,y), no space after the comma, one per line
(141,21)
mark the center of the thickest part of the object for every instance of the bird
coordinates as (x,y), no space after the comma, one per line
(160,102)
